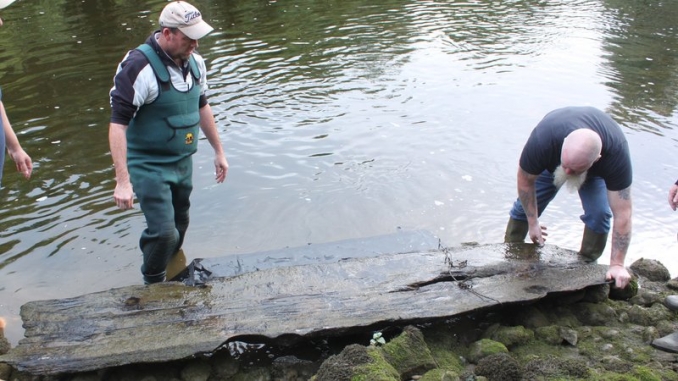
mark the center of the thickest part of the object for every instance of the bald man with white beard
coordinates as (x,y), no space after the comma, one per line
(584,149)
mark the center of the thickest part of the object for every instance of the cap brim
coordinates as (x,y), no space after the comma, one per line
(196,31)
(5,3)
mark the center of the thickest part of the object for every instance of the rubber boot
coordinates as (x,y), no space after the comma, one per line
(153,278)
(592,245)
(516,231)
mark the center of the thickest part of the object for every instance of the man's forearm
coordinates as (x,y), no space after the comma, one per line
(620,203)
(118,144)
(11,140)
(527,195)
(621,238)
(209,128)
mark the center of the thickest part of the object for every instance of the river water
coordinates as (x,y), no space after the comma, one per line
(340,119)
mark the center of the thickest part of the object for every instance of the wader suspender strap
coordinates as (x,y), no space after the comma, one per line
(160,69)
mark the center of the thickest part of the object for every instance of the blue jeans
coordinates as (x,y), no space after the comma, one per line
(593,195)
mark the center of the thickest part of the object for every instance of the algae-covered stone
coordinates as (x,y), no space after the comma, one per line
(483,348)
(569,335)
(292,368)
(651,269)
(5,346)
(5,371)
(613,362)
(408,353)
(445,348)
(646,374)
(625,293)
(440,375)
(563,316)
(666,327)
(594,313)
(512,336)
(552,367)
(357,363)
(646,298)
(648,316)
(500,366)
(550,334)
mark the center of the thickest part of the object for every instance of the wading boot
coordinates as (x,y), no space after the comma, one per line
(153,278)
(592,245)
(516,231)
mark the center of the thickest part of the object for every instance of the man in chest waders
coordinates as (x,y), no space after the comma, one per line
(158,106)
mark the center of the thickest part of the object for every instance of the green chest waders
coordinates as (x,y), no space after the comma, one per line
(160,141)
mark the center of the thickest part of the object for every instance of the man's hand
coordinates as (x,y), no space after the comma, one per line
(537,234)
(124,196)
(221,168)
(673,196)
(24,164)
(620,275)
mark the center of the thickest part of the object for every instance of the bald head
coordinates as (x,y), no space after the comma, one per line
(581,148)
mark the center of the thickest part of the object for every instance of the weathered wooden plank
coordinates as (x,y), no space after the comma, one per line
(170,321)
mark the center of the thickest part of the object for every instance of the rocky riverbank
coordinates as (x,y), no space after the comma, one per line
(591,334)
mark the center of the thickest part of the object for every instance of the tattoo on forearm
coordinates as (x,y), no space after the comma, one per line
(621,242)
(527,199)
(625,194)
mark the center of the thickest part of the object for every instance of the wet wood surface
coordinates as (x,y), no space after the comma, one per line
(171,321)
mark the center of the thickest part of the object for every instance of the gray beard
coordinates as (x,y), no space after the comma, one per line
(574,182)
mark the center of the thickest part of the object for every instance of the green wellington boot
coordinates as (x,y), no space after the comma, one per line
(516,231)
(592,245)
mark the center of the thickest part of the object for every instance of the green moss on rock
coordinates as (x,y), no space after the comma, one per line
(440,375)
(512,336)
(408,353)
(377,370)
(625,293)
(483,348)
(500,366)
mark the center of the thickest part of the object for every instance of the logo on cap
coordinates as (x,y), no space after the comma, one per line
(185,17)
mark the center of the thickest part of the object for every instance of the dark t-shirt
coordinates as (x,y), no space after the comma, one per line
(542,150)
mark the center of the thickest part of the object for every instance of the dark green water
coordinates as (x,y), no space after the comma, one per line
(340,119)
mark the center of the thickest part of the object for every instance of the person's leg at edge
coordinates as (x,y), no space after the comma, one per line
(596,218)
(159,240)
(517,227)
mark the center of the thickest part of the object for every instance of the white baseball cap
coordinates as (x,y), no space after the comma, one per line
(183,16)
(5,3)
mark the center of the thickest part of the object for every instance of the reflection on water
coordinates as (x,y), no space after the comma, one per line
(340,119)
(640,45)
